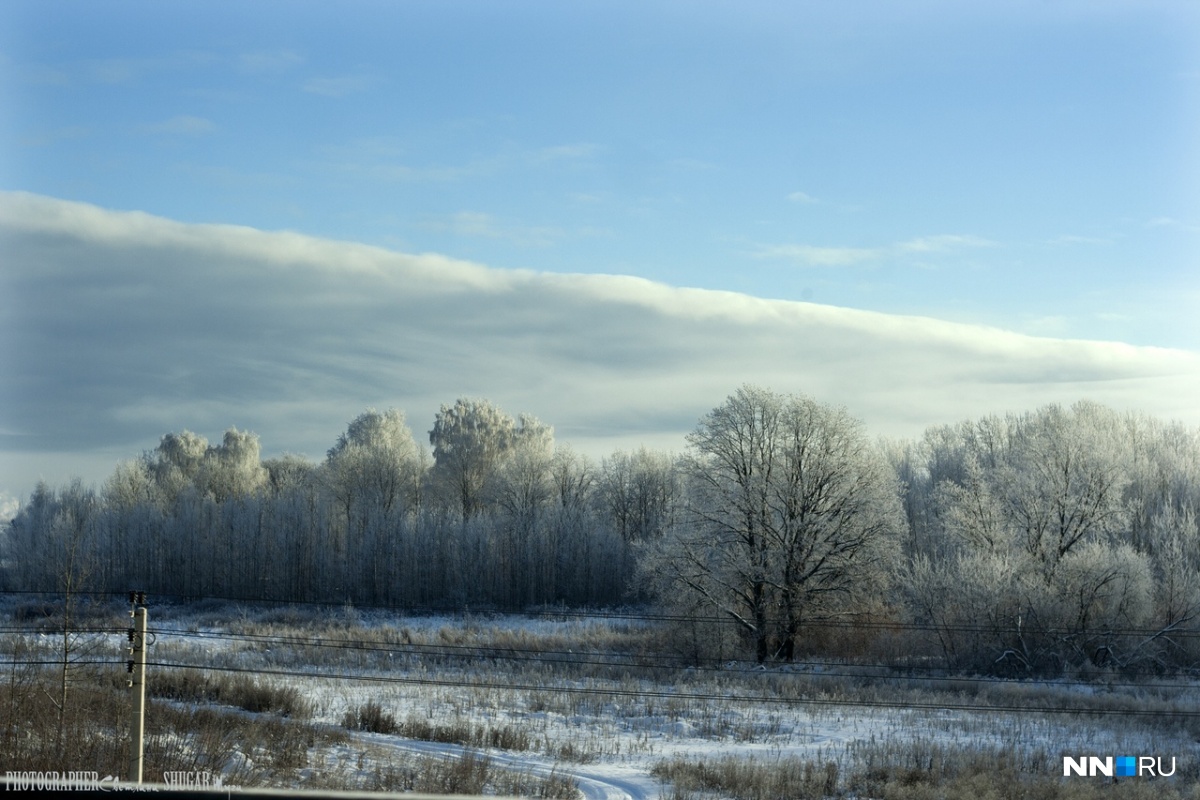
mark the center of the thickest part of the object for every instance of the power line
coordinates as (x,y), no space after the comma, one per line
(59,663)
(688,696)
(646,616)
(698,696)
(608,659)
(486,652)
(635,693)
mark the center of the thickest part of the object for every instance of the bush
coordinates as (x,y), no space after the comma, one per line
(241,691)
(370,717)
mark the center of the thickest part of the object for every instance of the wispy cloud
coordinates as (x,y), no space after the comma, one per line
(803,198)
(941,244)
(339,86)
(691,165)
(807,199)
(52,137)
(389,158)
(1173,223)
(1069,239)
(122,326)
(813,256)
(808,255)
(479,224)
(34,74)
(116,71)
(269,62)
(567,152)
(181,125)
(236,179)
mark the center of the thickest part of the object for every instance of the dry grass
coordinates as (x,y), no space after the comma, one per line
(748,778)
(247,749)
(238,690)
(373,718)
(242,748)
(471,773)
(905,770)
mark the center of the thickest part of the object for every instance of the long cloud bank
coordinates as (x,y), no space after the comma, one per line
(120,326)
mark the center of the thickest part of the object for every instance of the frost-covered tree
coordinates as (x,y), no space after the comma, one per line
(1101,589)
(969,600)
(470,440)
(176,462)
(1062,480)
(232,469)
(54,541)
(573,478)
(1174,552)
(228,470)
(640,493)
(523,486)
(289,471)
(793,513)
(1076,503)
(377,462)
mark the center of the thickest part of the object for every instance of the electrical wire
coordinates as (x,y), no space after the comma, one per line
(609,659)
(646,616)
(486,652)
(679,695)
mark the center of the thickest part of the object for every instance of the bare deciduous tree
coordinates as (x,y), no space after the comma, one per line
(639,492)
(792,513)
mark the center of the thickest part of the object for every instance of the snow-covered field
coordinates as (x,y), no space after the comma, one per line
(553,680)
(591,699)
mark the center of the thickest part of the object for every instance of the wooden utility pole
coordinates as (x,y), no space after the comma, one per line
(137,682)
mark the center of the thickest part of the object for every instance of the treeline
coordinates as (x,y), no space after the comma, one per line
(1059,539)
(1055,540)
(499,517)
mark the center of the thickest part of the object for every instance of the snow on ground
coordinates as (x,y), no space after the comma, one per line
(608,741)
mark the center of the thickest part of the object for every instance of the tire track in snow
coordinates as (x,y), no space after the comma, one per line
(594,784)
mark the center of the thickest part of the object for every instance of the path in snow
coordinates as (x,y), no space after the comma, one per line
(595,783)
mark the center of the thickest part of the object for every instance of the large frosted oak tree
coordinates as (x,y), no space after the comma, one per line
(792,513)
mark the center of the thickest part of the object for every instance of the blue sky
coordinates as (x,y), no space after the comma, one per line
(1029,167)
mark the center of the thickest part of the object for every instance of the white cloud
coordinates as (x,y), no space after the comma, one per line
(1171,222)
(1083,240)
(803,198)
(812,256)
(120,326)
(941,244)
(816,256)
